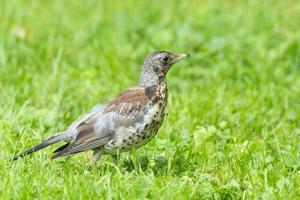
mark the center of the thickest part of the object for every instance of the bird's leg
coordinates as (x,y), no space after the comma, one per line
(116,157)
(96,156)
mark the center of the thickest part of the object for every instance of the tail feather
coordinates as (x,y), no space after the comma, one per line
(61,148)
(58,151)
(61,154)
(48,142)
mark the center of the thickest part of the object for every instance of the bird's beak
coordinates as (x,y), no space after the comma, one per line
(179,57)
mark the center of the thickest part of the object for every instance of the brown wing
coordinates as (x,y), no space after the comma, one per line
(128,102)
(124,110)
(128,106)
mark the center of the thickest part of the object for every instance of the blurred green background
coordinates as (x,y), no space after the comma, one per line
(234,108)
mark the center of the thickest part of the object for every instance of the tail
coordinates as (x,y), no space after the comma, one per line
(50,141)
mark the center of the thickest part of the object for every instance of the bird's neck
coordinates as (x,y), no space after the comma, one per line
(150,79)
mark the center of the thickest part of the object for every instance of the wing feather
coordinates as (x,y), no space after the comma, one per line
(98,128)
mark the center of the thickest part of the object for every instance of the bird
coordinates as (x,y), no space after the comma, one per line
(128,121)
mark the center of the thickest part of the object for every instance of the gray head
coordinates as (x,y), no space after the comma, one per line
(156,66)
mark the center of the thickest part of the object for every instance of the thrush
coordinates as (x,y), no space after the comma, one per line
(128,121)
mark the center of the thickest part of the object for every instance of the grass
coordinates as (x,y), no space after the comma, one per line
(233,129)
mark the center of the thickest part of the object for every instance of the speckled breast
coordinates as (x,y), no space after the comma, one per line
(155,115)
(152,120)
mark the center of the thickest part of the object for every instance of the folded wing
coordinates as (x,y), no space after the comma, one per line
(99,127)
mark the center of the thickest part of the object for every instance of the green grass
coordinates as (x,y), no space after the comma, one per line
(233,128)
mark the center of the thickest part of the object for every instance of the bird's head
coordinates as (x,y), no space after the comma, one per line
(158,63)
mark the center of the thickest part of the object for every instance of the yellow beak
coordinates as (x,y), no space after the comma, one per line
(181,56)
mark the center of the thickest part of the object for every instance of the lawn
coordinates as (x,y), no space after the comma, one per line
(233,124)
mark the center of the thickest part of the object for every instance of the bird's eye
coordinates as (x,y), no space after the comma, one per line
(165,59)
